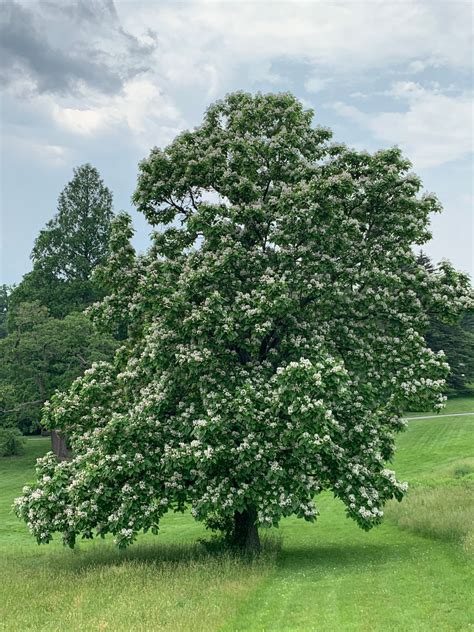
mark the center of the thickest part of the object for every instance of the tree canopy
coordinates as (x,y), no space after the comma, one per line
(45,342)
(4,296)
(275,335)
(456,339)
(42,354)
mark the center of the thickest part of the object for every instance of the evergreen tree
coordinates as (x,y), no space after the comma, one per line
(71,245)
(47,341)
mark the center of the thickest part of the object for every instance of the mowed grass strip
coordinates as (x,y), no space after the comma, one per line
(432,448)
(454,405)
(337,578)
(333,576)
(328,576)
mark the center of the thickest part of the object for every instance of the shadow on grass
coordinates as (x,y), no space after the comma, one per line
(340,558)
(155,556)
(165,556)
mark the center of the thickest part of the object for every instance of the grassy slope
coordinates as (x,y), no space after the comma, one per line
(329,576)
(164,583)
(455,405)
(336,577)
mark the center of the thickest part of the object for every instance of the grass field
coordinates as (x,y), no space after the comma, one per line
(415,572)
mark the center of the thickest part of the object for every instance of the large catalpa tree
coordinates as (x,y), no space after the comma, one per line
(275,335)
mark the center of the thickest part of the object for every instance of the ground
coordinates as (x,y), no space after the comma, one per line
(412,573)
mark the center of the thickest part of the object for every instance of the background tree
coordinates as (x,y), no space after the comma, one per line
(5,291)
(45,342)
(71,245)
(42,354)
(455,339)
(275,335)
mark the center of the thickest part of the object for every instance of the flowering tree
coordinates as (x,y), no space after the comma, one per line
(275,335)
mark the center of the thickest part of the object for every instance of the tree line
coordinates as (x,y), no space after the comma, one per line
(46,338)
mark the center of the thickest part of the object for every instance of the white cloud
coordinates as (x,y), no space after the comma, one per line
(141,109)
(410,91)
(143,106)
(333,37)
(416,66)
(79,121)
(350,112)
(105,86)
(434,129)
(316,84)
(44,152)
(55,155)
(199,50)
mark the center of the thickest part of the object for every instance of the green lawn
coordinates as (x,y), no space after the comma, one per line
(412,573)
(455,406)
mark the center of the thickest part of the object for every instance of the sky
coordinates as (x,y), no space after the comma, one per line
(104,81)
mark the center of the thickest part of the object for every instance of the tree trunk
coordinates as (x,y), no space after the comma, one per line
(59,445)
(245,530)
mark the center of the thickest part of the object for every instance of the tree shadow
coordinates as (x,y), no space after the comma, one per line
(154,555)
(311,557)
(341,557)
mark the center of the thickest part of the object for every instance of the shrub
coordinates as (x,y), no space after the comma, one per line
(11,442)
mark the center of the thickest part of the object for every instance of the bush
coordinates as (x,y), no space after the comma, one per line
(11,442)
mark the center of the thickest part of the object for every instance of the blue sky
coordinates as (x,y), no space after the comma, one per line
(103,82)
